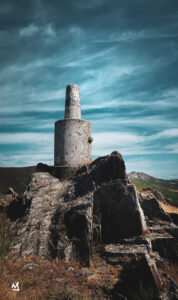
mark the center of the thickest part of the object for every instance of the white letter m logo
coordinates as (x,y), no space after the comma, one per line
(15,286)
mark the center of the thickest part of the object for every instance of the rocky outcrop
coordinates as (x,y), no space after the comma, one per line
(97,205)
(66,217)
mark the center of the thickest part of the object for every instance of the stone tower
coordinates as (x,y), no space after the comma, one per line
(72,146)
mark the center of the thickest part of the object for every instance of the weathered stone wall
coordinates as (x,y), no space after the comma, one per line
(72,144)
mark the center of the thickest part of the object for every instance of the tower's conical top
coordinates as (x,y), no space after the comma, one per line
(72,105)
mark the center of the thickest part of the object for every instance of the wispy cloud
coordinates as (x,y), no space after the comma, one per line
(173,148)
(29,30)
(132,36)
(32,29)
(133,144)
(152,165)
(169,133)
(26,159)
(26,138)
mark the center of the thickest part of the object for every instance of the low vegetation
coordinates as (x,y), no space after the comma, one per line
(171,269)
(47,279)
(6,235)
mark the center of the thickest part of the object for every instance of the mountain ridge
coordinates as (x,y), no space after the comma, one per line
(15,177)
(168,183)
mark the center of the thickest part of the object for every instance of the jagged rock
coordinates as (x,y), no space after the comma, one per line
(61,220)
(43,168)
(107,168)
(174,218)
(103,170)
(13,205)
(152,208)
(13,193)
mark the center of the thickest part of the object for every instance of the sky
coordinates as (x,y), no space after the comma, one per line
(124,56)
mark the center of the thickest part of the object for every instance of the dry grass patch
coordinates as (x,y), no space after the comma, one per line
(42,279)
(172,270)
(169,208)
(6,235)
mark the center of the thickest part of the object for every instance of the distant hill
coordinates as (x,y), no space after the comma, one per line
(169,188)
(18,178)
(172,184)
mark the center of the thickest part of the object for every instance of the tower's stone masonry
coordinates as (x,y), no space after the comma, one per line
(72,135)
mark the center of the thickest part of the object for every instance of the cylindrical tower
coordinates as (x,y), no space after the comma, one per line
(72,135)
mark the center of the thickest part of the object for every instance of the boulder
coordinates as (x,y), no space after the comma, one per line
(117,207)
(174,218)
(165,245)
(163,238)
(139,276)
(152,208)
(107,168)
